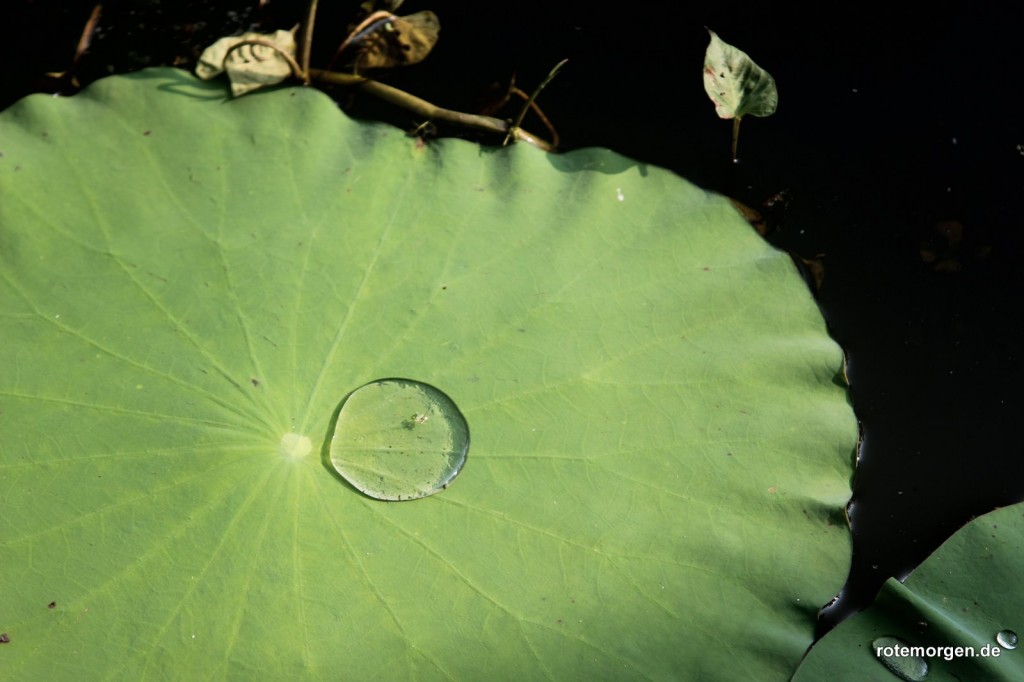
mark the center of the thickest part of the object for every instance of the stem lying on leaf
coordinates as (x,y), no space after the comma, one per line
(431,111)
(403,99)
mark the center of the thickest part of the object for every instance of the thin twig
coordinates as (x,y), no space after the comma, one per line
(80,48)
(540,114)
(533,97)
(90,27)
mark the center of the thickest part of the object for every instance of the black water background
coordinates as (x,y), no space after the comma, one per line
(891,121)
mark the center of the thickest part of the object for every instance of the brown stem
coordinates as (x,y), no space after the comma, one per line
(90,27)
(735,137)
(80,48)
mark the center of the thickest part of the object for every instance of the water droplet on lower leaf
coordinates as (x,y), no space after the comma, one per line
(1007,639)
(397,439)
(895,654)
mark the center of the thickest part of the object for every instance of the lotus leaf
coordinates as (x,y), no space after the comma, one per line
(189,287)
(963,608)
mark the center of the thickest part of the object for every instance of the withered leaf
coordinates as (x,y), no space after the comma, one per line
(395,41)
(249,67)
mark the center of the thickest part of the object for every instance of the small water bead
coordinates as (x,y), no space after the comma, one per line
(398,439)
(1007,639)
(889,651)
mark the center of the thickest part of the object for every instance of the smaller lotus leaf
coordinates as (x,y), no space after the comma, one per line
(958,614)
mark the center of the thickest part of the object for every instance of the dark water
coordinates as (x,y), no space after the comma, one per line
(898,143)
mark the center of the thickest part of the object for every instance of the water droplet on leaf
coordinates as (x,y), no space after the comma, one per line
(1007,639)
(398,439)
(894,653)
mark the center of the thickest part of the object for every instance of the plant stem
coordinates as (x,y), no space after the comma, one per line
(83,44)
(307,41)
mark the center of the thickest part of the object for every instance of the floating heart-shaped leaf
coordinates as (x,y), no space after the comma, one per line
(736,84)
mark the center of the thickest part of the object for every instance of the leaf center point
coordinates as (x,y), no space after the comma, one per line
(295,446)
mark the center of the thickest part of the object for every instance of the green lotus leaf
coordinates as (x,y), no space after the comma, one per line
(189,289)
(958,616)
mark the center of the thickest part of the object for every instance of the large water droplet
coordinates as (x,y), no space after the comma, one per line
(1007,639)
(398,439)
(897,657)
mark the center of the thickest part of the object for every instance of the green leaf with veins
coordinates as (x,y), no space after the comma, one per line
(189,288)
(736,85)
